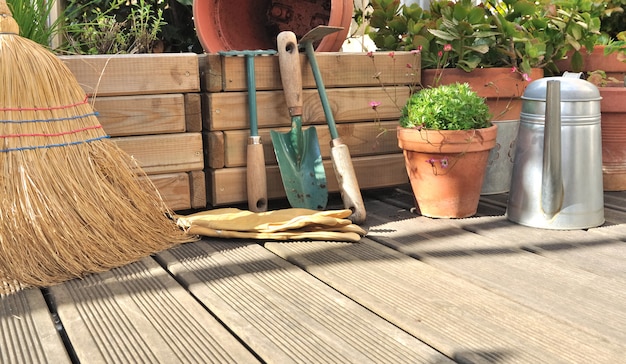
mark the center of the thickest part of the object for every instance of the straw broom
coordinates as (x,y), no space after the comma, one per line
(71,200)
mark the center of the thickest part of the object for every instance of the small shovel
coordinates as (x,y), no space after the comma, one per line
(297,151)
(339,152)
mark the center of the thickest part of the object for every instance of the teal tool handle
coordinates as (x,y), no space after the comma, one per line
(249,55)
(310,52)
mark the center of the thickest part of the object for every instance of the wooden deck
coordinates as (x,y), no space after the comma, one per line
(414,290)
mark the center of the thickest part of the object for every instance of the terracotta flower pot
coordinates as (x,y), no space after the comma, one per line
(248,24)
(446,168)
(613,138)
(500,86)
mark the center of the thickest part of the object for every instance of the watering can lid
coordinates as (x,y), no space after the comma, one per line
(572,89)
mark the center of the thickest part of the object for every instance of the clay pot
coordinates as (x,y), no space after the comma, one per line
(596,60)
(254,24)
(446,168)
(501,87)
(613,138)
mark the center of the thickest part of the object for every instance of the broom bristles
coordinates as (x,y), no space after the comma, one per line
(71,201)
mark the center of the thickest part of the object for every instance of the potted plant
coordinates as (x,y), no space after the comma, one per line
(497,47)
(604,64)
(446,135)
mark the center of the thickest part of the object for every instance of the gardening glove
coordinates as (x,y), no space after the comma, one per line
(286,224)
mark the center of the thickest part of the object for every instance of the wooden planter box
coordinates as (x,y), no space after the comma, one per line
(350,85)
(150,105)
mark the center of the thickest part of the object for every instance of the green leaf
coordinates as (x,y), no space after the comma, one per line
(577,62)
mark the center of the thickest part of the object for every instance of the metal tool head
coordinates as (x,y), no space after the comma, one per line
(318,33)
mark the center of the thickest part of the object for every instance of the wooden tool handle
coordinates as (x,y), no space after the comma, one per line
(348,183)
(290,73)
(256,179)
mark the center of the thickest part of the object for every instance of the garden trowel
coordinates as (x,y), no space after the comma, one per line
(297,151)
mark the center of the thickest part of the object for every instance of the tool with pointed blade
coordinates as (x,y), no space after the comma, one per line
(297,151)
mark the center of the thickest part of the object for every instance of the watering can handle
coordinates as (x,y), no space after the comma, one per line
(552,192)
(290,73)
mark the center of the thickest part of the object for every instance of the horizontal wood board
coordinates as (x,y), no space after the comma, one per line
(165,153)
(133,74)
(362,139)
(228,185)
(229,111)
(338,69)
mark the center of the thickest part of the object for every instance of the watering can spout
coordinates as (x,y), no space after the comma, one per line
(552,176)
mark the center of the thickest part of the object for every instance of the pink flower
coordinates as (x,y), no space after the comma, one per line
(408,65)
(431,161)
(370,54)
(440,54)
(419,48)
(391,54)
(444,162)
(416,51)
(447,47)
(375,104)
(513,69)
(526,77)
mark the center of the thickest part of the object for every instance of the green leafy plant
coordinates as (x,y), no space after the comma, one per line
(448,107)
(600,79)
(121,26)
(105,31)
(32,17)
(612,18)
(520,34)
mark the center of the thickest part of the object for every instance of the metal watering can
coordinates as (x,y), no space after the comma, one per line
(557,170)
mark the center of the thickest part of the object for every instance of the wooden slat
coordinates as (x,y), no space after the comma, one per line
(338,69)
(141,114)
(228,185)
(214,153)
(165,153)
(175,189)
(227,111)
(464,320)
(27,330)
(132,74)
(193,112)
(198,189)
(139,313)
(361,138)
(282,313)
(550,286)
(211,78)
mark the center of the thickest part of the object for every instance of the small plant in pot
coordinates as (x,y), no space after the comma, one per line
(446,135)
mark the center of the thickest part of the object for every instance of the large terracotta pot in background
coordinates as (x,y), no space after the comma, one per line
(613,109)
(613,126)
(450,191)
(501,87)
(254,24)
(596,60)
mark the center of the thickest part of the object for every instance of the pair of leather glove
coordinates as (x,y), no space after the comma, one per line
(285,224)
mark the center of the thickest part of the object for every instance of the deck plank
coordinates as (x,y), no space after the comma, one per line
(463,320)
(28,334)
(547,285)
(284,314)
(139,314)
